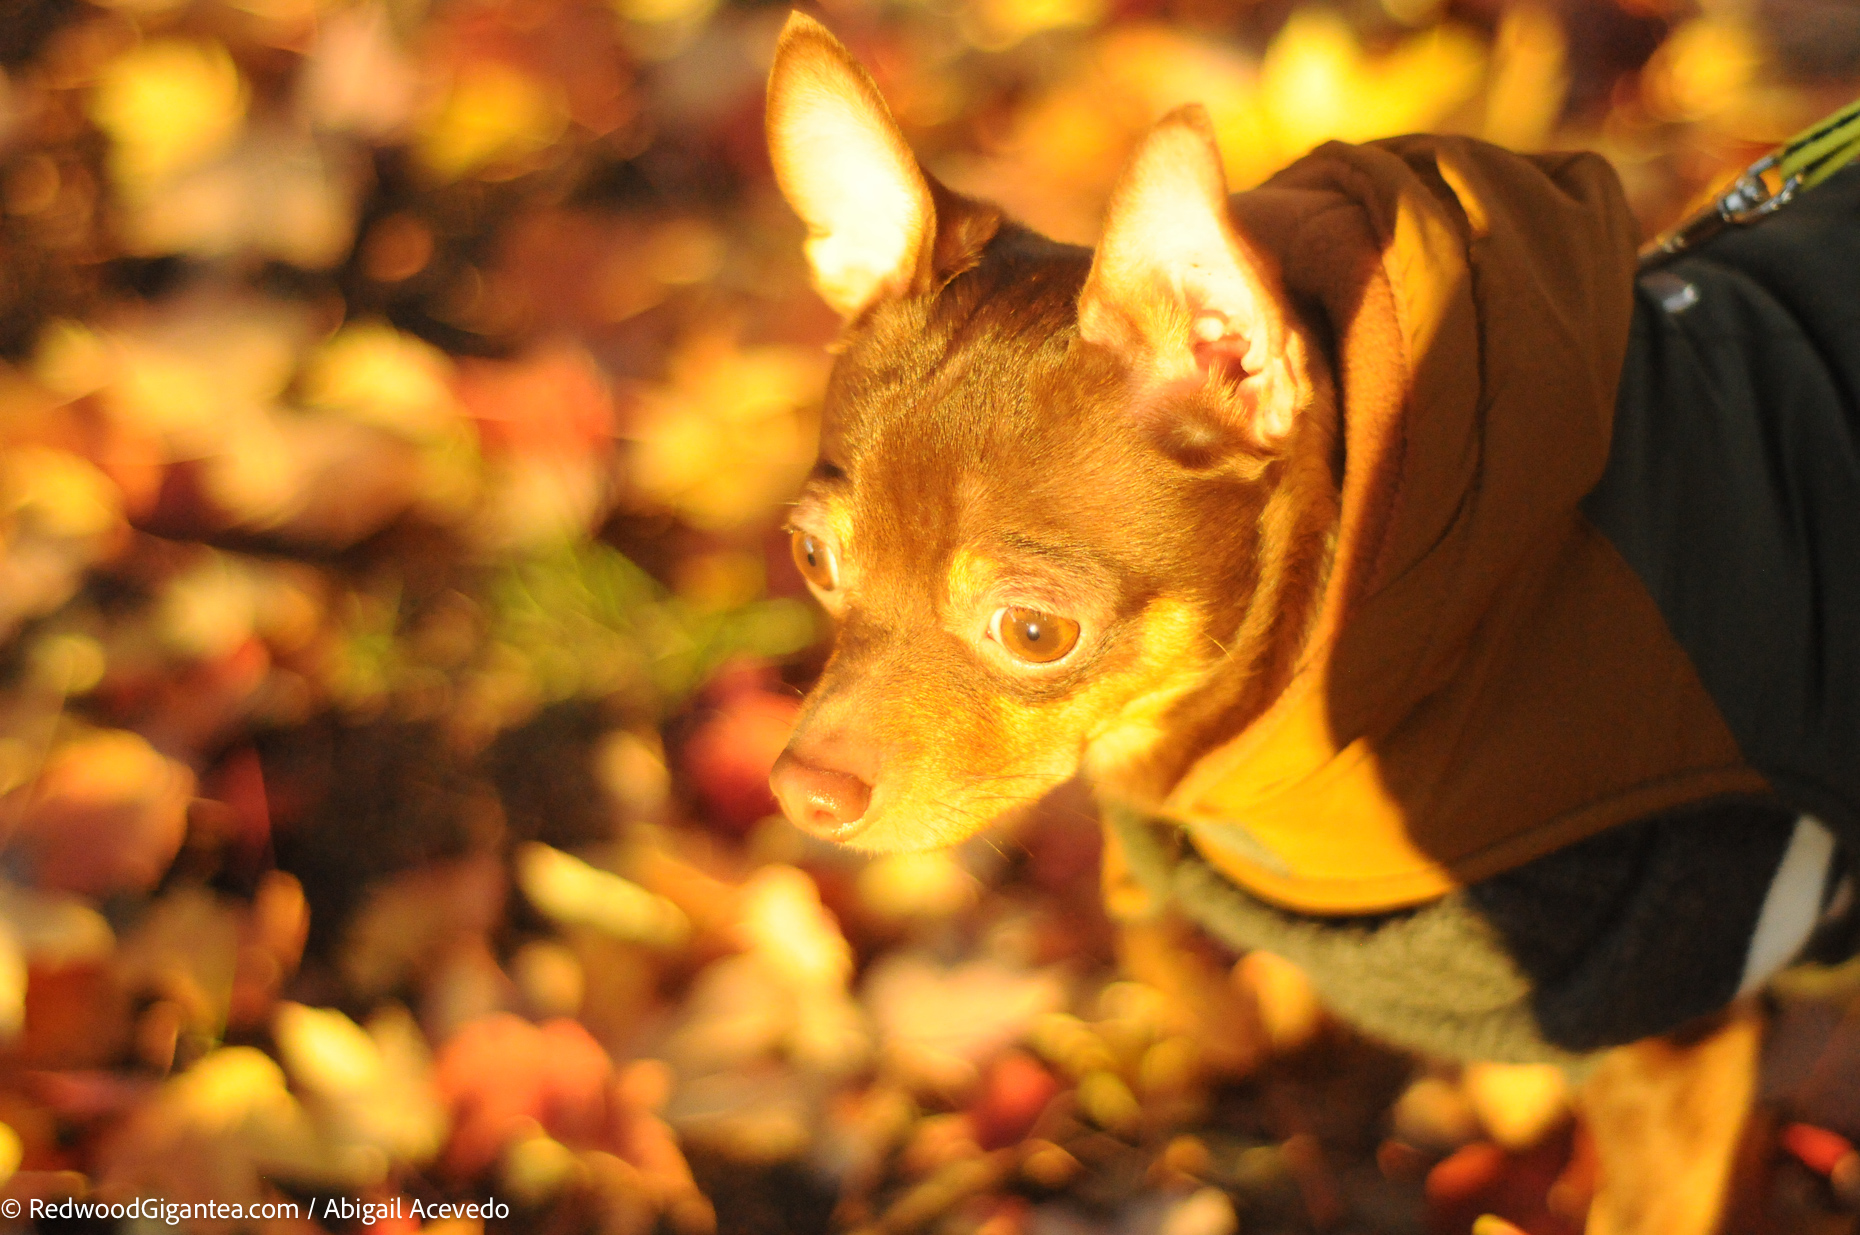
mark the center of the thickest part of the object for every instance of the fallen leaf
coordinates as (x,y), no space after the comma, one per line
(106,814)
(938,1024)
(501,1074)
(572,892)
(168,104)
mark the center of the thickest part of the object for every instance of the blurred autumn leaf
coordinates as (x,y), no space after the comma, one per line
(493,116)
(168,105)
(730,433)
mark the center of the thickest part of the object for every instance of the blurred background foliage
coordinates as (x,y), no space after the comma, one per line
(397,400)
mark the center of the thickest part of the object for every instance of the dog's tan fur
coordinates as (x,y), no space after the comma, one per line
(1669,1116)
(1142,439)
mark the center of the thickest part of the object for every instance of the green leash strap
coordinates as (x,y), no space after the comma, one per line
(1824,149)
(1806,160)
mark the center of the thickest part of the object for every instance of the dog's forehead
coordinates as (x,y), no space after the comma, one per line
(953,421)
(953,379)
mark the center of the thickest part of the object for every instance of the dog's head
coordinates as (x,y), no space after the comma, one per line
(1057,513)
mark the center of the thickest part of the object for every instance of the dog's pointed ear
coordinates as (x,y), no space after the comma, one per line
(1181,295)
(871,212)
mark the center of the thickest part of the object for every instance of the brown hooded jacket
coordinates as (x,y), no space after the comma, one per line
(1488,680)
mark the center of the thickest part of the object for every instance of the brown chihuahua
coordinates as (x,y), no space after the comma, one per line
(1304,525)
(1069,516)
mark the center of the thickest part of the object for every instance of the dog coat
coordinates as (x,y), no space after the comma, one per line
(1576,748)
(1519,646)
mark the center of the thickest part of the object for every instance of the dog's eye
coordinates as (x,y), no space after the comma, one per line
(1041,638)
(816,562)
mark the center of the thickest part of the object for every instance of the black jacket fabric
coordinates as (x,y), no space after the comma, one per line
(1733,486)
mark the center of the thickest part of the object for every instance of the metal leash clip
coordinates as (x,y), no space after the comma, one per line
(1749,199)
(1804,162)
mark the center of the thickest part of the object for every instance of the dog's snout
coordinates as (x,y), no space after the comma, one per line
(827,801)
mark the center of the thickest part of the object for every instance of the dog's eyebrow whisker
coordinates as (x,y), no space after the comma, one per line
(991,793)
(943,804)
(1227,653)
(999,776)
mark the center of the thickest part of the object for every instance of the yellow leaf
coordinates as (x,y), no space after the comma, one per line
(917,885)
(1317,83)
(1519,1104)
(1530,79)
(732,434)
(325,1051)
(1414,87)
(210,608)
(783,919)
(188,374)
(995,25)
(12,984)
(1165,69)
(1703,69)
(58,493)
(167,105)
(230,1087)
(572,892)
(665,12)
(108,765)
(1309,78)
(366,1087)
(72,360)
(374,374)
(494,114)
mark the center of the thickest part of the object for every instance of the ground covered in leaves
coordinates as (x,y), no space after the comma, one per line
(397,398)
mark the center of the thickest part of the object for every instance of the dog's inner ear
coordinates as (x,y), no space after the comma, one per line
(1181,295)
(871,212)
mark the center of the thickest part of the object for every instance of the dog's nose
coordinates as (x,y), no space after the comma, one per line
(825,801)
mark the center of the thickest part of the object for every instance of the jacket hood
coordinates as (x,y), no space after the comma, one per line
(1466,700)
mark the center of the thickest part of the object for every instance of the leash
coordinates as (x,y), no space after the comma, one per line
(1806,160)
